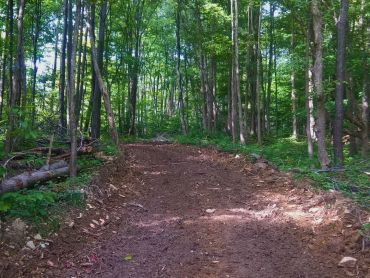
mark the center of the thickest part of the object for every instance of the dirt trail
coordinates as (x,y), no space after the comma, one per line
(180,211)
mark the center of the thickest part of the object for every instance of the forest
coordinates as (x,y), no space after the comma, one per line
(284,84)
(252,70)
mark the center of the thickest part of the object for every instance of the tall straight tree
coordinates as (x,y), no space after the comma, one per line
(96,103)
(258,78)
(339,91)
(61,104)
(318,84)
(235,81)
(108,107)
(71,92)
(310,120)
(365,109)
(19,86)
(178,69)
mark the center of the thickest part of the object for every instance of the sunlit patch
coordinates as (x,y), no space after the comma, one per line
(152,223)
(297,214)
(155,173)
(225,218)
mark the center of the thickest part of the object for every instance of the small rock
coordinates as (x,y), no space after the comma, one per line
(37,237)
(348,262)
(114,188)
(50,263)
(31,245)
(210,210)
(313,210)
(96,222)
(261,165)
(18,225)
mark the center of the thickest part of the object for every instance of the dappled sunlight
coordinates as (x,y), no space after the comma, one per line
(151,223)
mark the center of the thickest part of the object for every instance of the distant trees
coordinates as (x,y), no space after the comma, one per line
(251,69)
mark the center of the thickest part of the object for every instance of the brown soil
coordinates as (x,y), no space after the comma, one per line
(180,211)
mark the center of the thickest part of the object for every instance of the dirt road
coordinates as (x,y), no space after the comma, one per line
(180,211)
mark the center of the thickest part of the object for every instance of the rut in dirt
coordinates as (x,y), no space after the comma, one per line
(201,213)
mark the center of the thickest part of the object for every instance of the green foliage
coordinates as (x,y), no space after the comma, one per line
(28,204)
(109,149)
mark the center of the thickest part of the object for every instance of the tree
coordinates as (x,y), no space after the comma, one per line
(102,87)
(318,86)
(339,92)
(235,81)
(71,93)
(178,69)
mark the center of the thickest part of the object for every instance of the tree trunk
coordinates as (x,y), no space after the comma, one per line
(18,82)
(365,111)
(318,85)
(178,70)
(103,88)
(71,93)
(258,93)
(96,104)
(26,179)
(270,65)
(54,74)
(310,121)
(62,109)
(35,39)
(339,92)
(293,89)
(236,97)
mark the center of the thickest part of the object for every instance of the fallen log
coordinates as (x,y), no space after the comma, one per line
(27,179)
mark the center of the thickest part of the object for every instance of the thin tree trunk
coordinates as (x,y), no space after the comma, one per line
(71,93)
(18,83)
(365,111)
(54,74)
(339,92)
(62,113)
(178,70)
(35,39)
(96,104)
(258,93)
(103,88)
(318,85)
(236,97)
(310,121)
(270,65)
(293,89)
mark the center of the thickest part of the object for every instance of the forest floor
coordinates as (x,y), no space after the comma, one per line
(167,210)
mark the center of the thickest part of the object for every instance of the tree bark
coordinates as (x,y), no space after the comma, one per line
(258,81)
(103,88)
(178,70)
(62,109)
(318,85)
(236,97)
(71,93)
(18,81)
(27,179)
(97,94)
(310,120)
(339,91)
(293,88)
(35,39)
